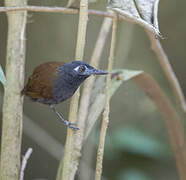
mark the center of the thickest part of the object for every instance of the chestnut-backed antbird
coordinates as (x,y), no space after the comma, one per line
(53,82)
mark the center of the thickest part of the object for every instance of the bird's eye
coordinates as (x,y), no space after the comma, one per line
(81,69)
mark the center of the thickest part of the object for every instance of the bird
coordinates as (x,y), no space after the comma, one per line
(54,82)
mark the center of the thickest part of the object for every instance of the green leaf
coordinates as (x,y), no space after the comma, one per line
(133,174)
(132,140)
(142,12)
(135,141)
(2,76)
(98,96)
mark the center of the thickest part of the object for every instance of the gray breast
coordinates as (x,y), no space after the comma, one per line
(65,87)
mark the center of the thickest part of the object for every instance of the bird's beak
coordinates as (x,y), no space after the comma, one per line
(98,72)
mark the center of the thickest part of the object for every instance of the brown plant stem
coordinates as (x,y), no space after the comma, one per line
(76,11)
(105,120)
(13,102)
(172,122)
(63,10)
(166,66)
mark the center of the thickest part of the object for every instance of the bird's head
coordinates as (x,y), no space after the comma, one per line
(79,69)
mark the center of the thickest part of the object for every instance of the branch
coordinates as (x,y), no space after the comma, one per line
(24,162)
(55,10)
(71,158)
(59,10)
(164,62)
(13,102)
(76,11)
(105,120)
(40,9)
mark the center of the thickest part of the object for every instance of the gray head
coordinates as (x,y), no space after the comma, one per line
(70,76)
(79,69)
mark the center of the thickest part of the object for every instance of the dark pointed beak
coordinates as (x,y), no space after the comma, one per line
(98,72)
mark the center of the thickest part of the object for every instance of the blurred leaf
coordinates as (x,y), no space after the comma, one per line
(133,174)
(2,76)
(143,12)
(131,140)
(135,141)
(98,96)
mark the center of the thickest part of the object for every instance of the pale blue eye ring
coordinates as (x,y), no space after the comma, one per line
(80,69)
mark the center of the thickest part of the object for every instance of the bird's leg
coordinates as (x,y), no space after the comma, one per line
(67,123)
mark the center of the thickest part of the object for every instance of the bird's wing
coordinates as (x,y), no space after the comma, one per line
(41,82)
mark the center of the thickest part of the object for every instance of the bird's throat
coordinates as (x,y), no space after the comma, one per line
(64,88)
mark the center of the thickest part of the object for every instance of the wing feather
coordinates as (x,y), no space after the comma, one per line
(41,82)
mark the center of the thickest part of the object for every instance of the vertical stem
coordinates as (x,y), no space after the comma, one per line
(82,28)
(105,120)
(70,160)
(13,102)
(84,103)
(88,85)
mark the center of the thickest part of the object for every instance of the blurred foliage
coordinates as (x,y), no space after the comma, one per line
(133,174)
(132,140)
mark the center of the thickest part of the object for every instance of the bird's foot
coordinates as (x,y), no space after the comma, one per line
(71,125)
(67,123)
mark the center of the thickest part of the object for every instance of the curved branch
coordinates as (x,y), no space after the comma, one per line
(172,122)
(166,66)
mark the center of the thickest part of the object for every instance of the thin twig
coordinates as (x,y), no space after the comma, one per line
(24,162)
(105,120)
(164,62)
(166,66)
(40,9)
(63,10)
(76,11)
